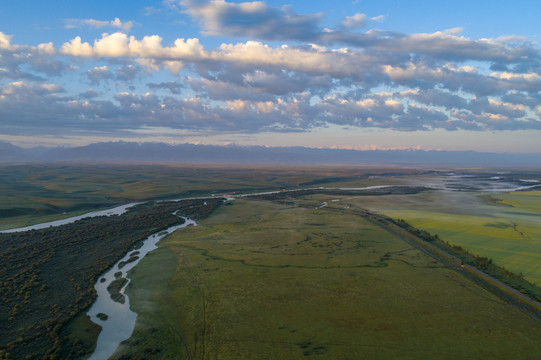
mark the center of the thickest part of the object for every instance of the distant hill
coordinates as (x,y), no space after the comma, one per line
(234,154)
(11,153)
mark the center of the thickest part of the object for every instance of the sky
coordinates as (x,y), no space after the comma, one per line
(357,74)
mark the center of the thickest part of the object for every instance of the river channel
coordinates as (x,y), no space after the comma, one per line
(116,318)
(119,210)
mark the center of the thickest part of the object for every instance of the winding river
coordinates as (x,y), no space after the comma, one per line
(116,318)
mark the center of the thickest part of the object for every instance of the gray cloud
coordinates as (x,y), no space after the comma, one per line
(128,72)
(256,20)
(51,111)
(28,62)
(436,97)
(89,94)
(99,74)
(339,76)
(172,86)
(259,85)
(252,19)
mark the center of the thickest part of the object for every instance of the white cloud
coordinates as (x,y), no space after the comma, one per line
(357,21)
(5,42)
(120,45)
(46,48)
(93,23)
(77,48)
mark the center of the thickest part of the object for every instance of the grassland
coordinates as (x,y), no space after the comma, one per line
(38,193)
(263,279)
(266,280)
(505,227)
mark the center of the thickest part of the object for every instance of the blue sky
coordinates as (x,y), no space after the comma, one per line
(461,75)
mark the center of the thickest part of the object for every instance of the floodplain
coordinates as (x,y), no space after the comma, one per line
(283,275)
(266,280)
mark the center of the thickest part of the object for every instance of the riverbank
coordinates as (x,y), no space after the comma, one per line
(120,319)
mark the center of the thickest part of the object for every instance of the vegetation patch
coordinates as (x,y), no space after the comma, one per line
(48,275)
(114,289)
(130,260)
(482,263)
(499,225)
(260,279)
(38,193)
(507,230)
(270,275)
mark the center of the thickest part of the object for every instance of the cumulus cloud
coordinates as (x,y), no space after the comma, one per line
(121,45)
(29,62)
(93,23)
(89,94)
(5,42)
(257,20)
(126,73)
(439,80)
(435,97)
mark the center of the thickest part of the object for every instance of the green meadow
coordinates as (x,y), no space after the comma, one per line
(268,280)
(285,277)
(36,193)
(503,226)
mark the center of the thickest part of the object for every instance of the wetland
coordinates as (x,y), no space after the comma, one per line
(279,274)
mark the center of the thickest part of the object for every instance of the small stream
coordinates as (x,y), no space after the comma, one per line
(120,320)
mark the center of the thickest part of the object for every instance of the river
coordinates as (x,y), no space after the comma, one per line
(119,210)
(120,320)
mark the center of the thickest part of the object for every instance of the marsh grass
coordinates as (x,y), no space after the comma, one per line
(262,280)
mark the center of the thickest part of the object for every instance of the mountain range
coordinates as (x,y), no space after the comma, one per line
(154,152)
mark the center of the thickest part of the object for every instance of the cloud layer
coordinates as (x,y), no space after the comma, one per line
(286,73)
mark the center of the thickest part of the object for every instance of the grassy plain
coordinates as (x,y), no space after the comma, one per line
(35,193)
(267,280)
(503,226)
(260,278)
